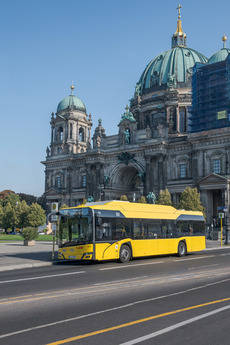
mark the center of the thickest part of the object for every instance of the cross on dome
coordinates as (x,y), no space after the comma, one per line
(72,87)
(179,38)
(178,8)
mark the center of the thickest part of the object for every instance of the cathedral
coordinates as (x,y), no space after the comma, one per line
(154,148)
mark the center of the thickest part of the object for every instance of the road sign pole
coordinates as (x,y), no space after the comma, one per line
(53,251)
(221,231)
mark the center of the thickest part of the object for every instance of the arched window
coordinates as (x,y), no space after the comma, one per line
(58,181)
(216,166)
(83,181)
(183,170)
(60,134)
(71,131)
(81,134)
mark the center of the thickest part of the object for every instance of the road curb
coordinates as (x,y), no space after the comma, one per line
(28,265)
(218,248)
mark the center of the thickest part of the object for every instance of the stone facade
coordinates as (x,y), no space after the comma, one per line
(151,151)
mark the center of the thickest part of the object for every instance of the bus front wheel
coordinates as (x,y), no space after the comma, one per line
(182,250)
(125,254)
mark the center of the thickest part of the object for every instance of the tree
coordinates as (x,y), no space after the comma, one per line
(29,199)
(190,200)
(11,198)
(9,219)
(164,198)
(142,200)
(43,203)
(124,197)
(36,215)
(22,211)
(1,215)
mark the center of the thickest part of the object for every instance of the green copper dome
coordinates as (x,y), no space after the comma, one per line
(219,56)
(169,68)
(172,68)
(71,101)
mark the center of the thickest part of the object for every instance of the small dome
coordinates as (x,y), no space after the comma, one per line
(171,67)
(71,101)
(219,56)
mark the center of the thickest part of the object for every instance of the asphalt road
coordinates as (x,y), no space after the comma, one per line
(160,301)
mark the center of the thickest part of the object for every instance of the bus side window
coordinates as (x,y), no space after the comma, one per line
(137,230)
(154,229)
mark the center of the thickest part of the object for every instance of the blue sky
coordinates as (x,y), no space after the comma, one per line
(102,45)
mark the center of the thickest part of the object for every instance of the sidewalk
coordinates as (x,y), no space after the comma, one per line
(17,256)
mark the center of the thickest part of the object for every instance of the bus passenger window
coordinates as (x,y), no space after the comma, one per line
(154,229)
(137,231)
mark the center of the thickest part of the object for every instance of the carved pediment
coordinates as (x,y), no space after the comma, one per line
(52,192)
(213,179)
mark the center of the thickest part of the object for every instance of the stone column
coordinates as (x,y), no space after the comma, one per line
(160,173)
(148,177)
(52,135)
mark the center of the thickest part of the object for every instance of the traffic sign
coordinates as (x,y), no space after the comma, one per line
(221,215)
(222,208)
(54,207)
(54,218)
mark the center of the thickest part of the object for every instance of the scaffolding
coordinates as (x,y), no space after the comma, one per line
(210,96)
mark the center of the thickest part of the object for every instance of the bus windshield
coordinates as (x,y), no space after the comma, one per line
(75,230)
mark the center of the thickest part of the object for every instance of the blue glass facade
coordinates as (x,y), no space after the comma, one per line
(210,96)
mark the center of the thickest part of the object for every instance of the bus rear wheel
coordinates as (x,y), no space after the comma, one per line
(125,254)
(182,250)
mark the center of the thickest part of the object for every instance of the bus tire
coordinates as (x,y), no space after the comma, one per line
(182,249)
(125,254)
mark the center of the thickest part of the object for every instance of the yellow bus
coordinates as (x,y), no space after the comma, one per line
(122,230)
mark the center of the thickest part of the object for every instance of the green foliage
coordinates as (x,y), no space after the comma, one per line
(30,233)
(28,198)
(11,199)
(124,197)
(190,200)
(43,202)
(142,200)
(10,238)
(36,215)
(64,206)
(164,198)
(9,218)
(1,215)
(22,211)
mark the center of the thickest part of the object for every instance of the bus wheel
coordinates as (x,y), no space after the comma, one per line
(125,253)
(182,250)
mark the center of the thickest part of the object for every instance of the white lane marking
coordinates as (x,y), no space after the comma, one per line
(40,277)
(112,309)
(177,325)
(205,266)
(119,281)
(196,258)
(224,254)
(130,266)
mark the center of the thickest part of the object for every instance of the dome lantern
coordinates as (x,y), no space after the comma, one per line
(222,54)
(71,102)
(179,37)
(224,39)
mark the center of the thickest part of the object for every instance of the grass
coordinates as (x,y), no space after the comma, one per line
(9,238)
